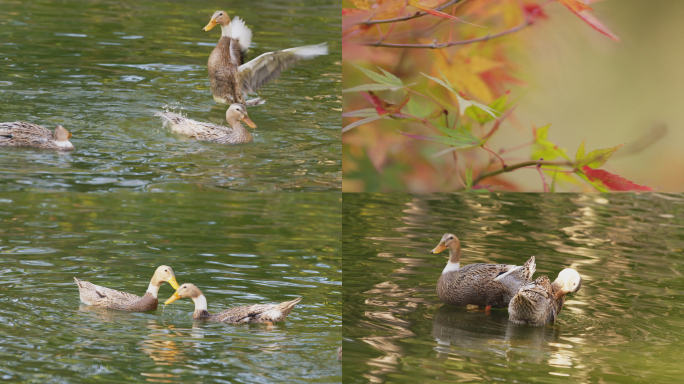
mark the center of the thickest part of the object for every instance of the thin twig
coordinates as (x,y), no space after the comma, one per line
(404,18)
(522,165)
(449,44)
(546,187)
(503,163)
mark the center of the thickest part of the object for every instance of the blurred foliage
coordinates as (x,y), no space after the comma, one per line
(435,89)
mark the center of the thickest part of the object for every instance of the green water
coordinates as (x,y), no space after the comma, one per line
(102,68)
(240,249)
(625,325)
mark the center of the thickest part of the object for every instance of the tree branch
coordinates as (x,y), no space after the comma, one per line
(522,165)
(379,43)
(404,18)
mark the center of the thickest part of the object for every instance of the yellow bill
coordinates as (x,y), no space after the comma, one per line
(249,122)
(211,25)
(69,135)
(438,248)
(173,298)
(173,282)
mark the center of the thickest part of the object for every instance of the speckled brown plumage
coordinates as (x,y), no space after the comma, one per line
(256,313)
(235,134)
(223,65)
(96,295)
(475,284)
(20,134)
(540,301)
(231,78)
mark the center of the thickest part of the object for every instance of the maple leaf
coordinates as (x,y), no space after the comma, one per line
(465,70)
(582,10)
(594,159)
(611,181)
(534,11)
(383,107)
(425,8)
(361,4)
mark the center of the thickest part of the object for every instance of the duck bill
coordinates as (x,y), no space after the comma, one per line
(438,248)
(69,137)
(173,298)
(211,25)
(249,122)
(173,282)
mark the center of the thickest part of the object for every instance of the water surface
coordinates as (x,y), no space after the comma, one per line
(241,250)
(624,325)
(101,69)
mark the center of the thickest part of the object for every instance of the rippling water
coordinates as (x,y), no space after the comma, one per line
(624,325)
(239,250)
(103,68)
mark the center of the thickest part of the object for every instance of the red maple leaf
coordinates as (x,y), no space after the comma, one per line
(611,181)
(383,107)
(534,11)
(582,10)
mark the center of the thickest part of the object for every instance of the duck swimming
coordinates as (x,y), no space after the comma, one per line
(236,134)
(256,313)
(475,284)
(96,295)
(540,301)
(230,77)
(18,134)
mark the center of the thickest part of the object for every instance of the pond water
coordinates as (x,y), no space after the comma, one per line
(101,69)
(626,324)
(240,250)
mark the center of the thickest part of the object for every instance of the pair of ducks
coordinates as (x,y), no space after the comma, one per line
(534,302)
(230,79)
(20,134)
(96,295)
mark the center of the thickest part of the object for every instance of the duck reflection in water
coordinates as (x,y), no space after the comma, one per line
(468,333)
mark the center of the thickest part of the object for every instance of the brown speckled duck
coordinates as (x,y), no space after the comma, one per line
(92,294)
(540,301)
(18,134)
(230,77)
(475,284)
(236,134)
(256,313)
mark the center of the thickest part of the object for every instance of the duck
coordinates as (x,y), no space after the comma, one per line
(475,284)
(96,295)
(20,134)
(540,301)
(230,77)
(236,134)
(255,313)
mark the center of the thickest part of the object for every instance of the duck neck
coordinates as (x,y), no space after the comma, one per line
(153,288)
(226,30)
(240,134)
(454,263)
(200,307)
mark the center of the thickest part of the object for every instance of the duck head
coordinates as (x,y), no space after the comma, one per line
(238,112)
(451,242)
(219,18)
(61,134)
(569,281)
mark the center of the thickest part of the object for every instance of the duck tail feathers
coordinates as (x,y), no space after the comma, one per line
(240,32)
(503,275)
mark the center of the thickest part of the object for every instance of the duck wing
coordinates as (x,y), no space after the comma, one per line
(257,313)
(255,73)
(92,294)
